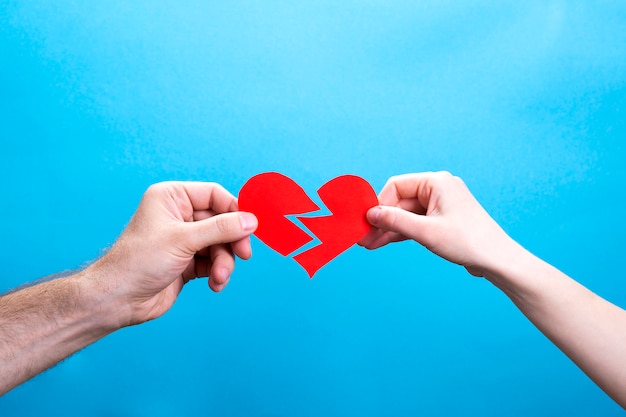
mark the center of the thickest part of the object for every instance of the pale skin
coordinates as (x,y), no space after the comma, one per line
(180,231)
(438,211)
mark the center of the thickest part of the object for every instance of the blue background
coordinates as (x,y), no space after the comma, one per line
(524,100)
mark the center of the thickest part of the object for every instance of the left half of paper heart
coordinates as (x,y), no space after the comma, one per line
(271,196)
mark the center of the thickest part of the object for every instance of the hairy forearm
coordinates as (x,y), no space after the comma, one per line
(587,328)
(42,324)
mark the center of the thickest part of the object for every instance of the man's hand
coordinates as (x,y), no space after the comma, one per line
(181,231)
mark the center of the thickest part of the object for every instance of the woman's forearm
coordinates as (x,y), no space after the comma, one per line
(587,328)
(438,211)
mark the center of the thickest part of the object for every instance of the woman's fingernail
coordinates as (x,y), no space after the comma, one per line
(248,221)
(374,215)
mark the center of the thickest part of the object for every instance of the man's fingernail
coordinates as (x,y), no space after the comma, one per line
(374,215)
(248,221)
(224,274)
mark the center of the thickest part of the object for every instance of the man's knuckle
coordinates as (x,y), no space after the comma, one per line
(224,225)
(160,188)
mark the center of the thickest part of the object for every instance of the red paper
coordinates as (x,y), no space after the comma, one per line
(272,196)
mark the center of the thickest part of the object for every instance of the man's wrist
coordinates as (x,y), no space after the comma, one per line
(98,289)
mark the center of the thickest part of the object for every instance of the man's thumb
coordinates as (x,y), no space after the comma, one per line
(221,228)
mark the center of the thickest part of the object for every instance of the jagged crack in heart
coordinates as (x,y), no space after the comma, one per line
(272,196)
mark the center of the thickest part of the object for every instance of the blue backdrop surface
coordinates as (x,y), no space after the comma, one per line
(524,100)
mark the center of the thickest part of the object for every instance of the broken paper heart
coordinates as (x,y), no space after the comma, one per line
(272,196)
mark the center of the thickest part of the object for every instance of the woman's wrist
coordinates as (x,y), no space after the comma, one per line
(517,272)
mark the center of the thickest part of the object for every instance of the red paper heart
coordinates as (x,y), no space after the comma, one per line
(272,196)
